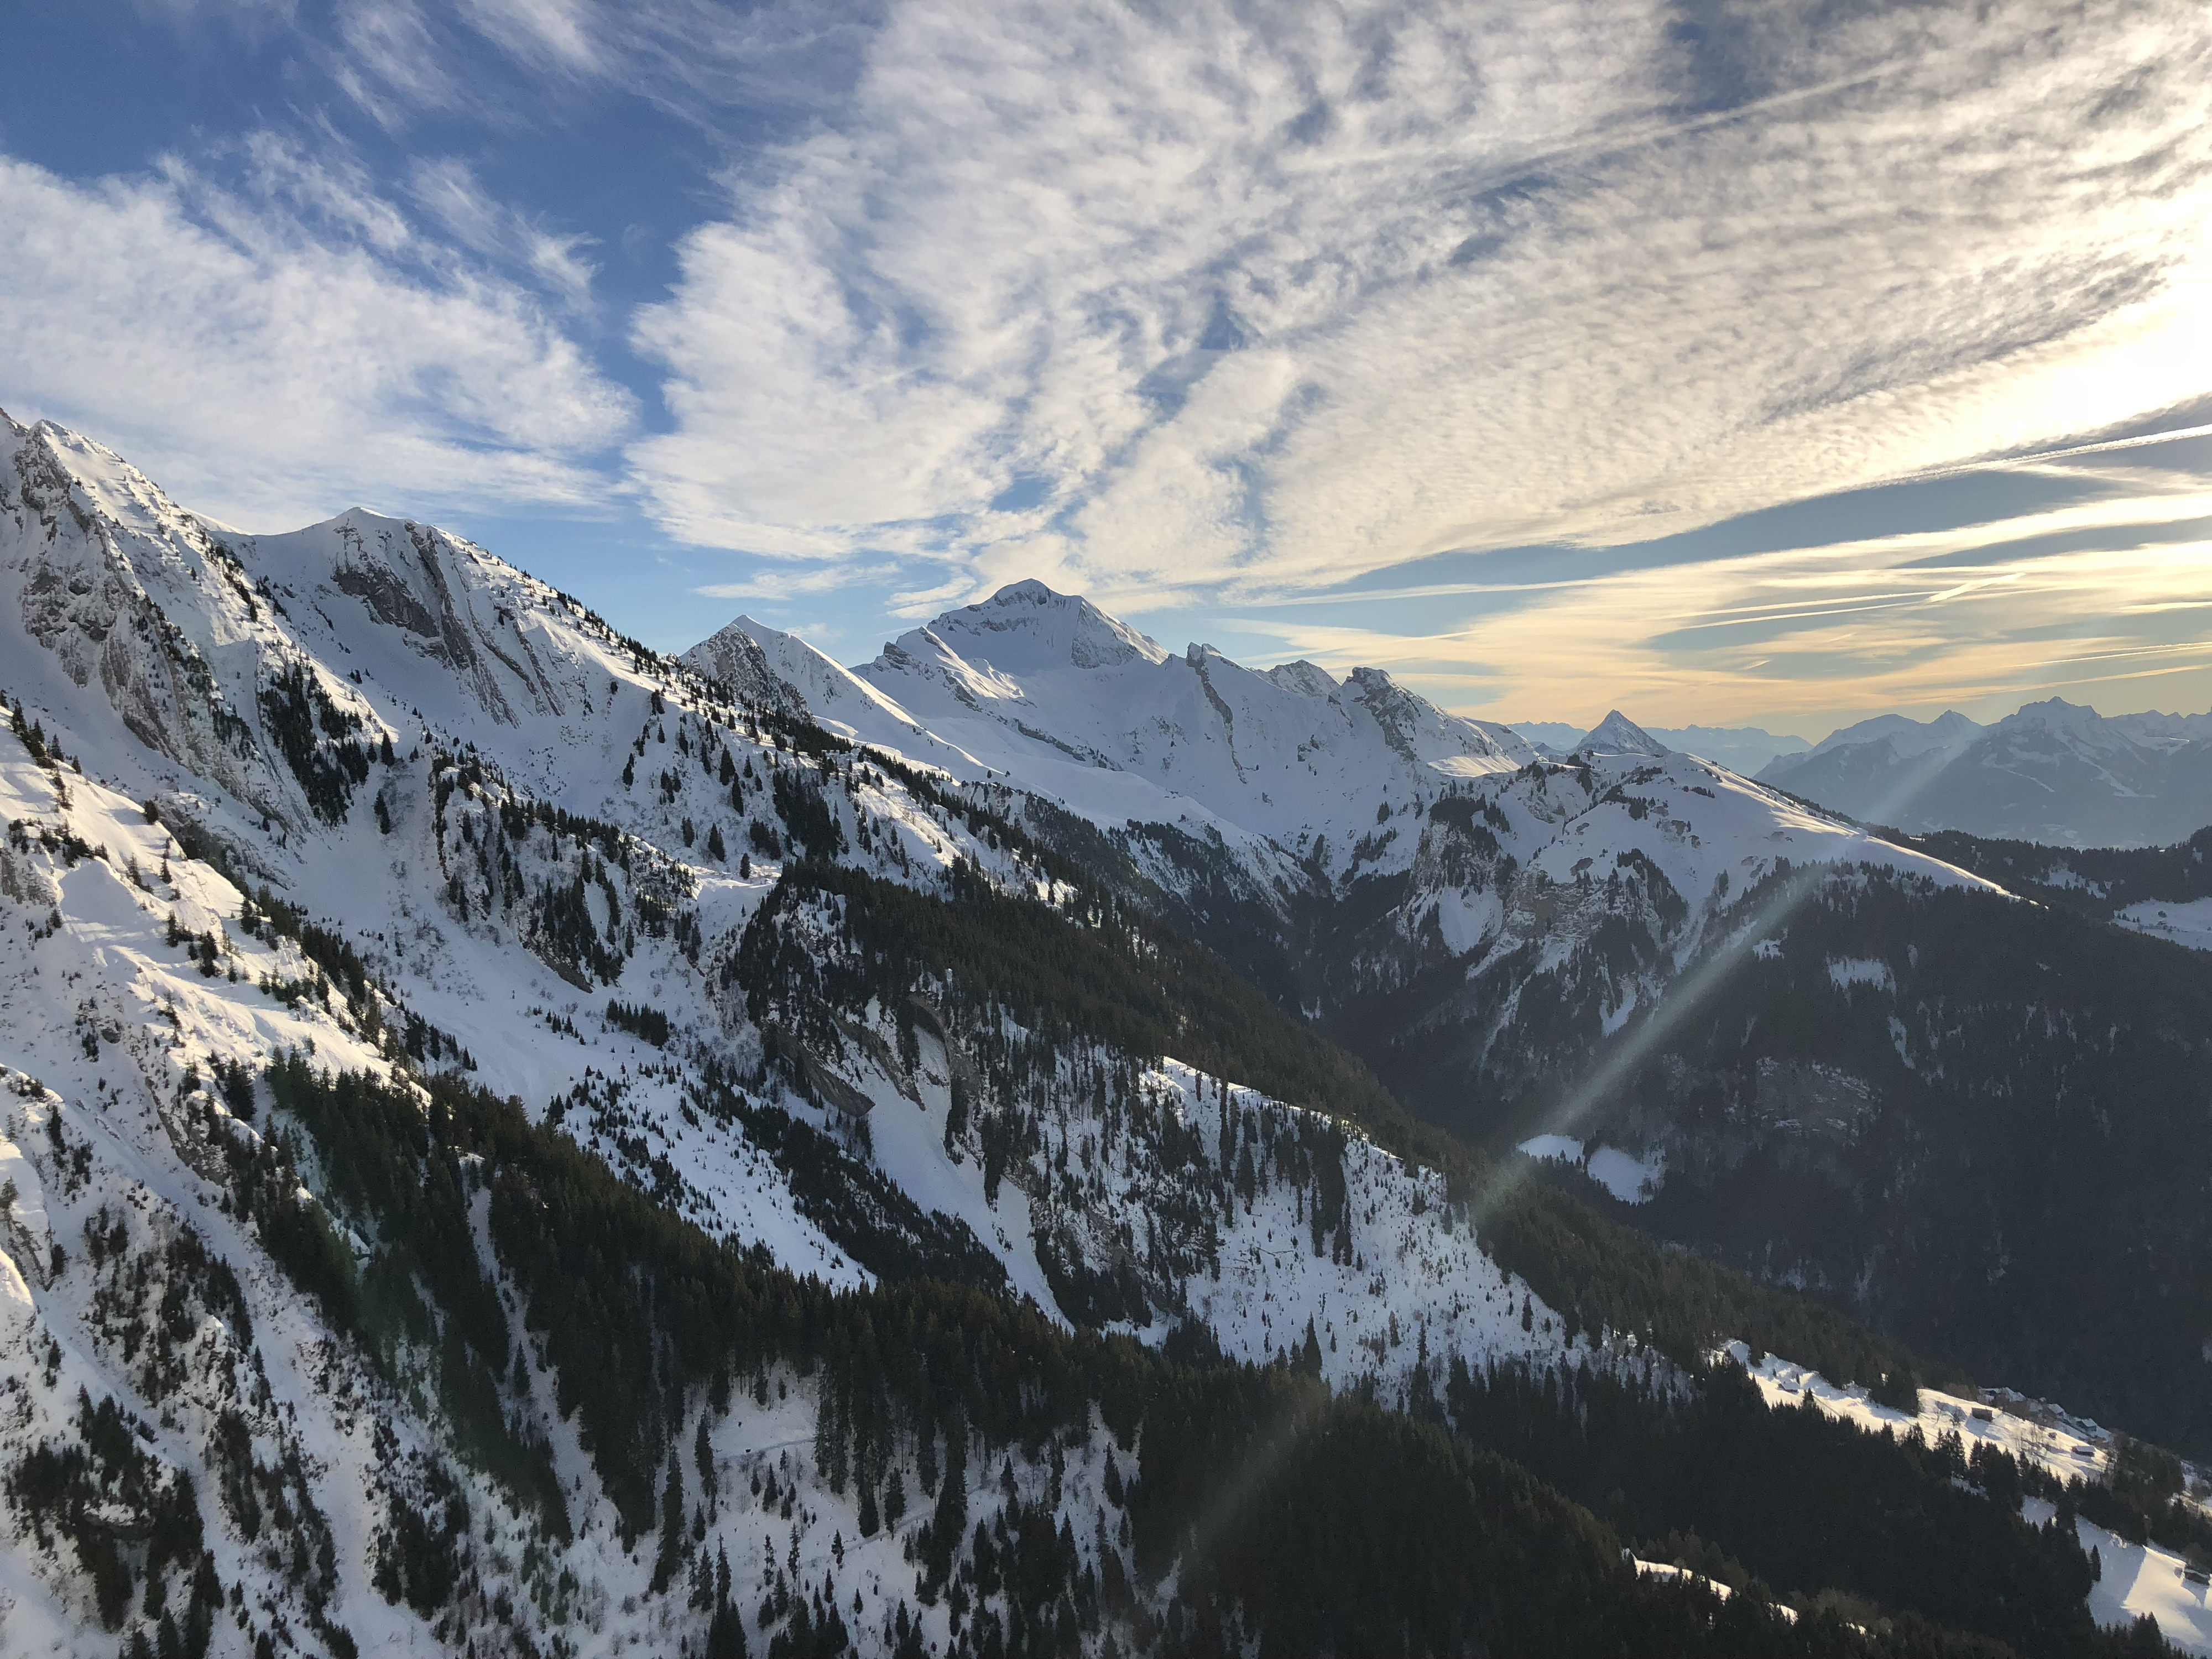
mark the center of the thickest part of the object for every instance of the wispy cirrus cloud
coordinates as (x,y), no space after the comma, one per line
(1204,311)
(447,189)
(799,582)
(1252,305)
(729,72)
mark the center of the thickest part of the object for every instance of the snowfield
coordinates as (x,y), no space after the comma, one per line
(2185,923)
(2139,1579)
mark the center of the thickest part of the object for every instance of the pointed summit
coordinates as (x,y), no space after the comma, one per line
(1025,628)
(735,656)
(1617,735)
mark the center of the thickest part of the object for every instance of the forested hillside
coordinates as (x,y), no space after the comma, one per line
(1980,1124)
(516,1144)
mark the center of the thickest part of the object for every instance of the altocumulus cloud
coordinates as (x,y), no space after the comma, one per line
(1207,300)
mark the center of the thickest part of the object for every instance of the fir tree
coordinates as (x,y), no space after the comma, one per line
(671,1525)
(951,1517)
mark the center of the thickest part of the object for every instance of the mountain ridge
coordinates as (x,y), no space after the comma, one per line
(520,1122)
(2051,771)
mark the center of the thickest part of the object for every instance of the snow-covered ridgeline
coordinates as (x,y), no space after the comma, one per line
(2136,1579)
(126,1160)
(1540,854)
(1081,707)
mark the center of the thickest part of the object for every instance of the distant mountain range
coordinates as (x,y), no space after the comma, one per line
(2052,772)
(1742,749)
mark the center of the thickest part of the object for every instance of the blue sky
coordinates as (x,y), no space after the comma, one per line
(1760,363)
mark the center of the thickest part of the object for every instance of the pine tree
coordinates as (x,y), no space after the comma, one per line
(950,1518)
(671,1525)
(726,1633)
(702,1453)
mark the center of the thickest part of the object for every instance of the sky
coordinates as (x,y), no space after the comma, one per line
(1765,363)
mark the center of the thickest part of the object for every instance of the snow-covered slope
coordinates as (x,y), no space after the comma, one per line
(2185,921)
(1545,908)
(2053,771)
(1541,854)
(364,799)
(2136,1579)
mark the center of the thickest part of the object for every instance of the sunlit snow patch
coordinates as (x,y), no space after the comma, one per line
(1844,972)
(1630,1179)
(2138,1579)
(2189,924)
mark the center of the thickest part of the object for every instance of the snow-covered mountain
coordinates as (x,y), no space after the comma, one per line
(1906,738)
(1305,779)
(365,799)
(1525,950)
(430,1023)
(1742,749)
(1616,734)
(1078,706)
(2052,771)
(1314,783)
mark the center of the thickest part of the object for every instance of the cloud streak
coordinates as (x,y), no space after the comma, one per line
(2099,593)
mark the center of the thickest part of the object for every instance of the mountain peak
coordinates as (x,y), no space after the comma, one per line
(1028,591)
(1906,735)
(1308,679)
(734,655)
(2057,712)
(1617,735)
(1028,627)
